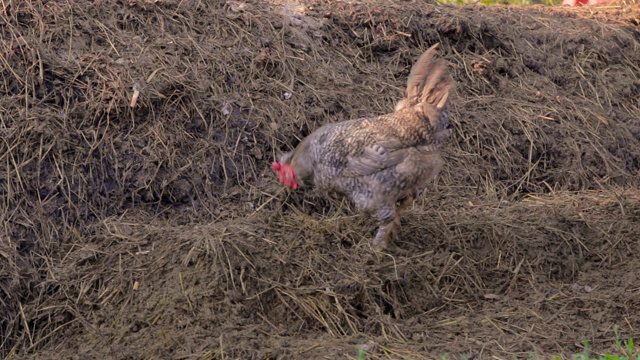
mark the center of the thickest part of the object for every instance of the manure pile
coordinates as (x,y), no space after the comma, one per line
(159,231)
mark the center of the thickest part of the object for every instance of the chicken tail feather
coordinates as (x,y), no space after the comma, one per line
(428,82)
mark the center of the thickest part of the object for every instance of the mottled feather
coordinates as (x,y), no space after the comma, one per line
(382,160)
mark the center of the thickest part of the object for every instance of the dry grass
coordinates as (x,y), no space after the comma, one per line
(175,193)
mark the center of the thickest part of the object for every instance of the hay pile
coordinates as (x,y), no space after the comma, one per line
(538,201)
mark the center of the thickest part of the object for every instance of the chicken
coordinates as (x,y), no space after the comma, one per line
(380,163)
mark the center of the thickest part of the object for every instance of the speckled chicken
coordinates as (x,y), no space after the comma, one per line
(380,163)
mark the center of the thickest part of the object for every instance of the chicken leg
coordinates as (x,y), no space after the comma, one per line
(390,220)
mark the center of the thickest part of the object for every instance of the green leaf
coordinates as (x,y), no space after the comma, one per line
(630,347)
(616,329)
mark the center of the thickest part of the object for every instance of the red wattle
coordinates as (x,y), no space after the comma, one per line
(285,174)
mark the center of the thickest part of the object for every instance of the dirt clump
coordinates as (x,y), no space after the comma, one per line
(525,245)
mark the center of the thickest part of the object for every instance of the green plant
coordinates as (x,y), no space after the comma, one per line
(626,348)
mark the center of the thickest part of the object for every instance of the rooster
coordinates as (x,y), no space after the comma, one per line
(380,163)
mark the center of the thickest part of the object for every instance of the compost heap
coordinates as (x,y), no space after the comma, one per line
(158,230)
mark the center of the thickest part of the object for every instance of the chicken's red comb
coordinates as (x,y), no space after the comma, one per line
(285,174)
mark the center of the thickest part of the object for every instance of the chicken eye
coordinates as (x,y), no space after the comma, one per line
(447,126)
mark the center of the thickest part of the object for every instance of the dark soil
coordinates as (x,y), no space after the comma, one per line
(158,231)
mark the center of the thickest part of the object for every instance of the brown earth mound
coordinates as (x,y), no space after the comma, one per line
(159,231)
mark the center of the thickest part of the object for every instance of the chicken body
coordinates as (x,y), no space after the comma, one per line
(380,163)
